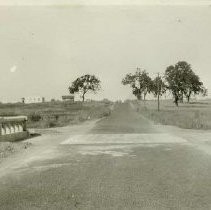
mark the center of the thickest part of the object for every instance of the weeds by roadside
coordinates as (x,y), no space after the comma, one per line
(189,116)
(56,114)
(7,148)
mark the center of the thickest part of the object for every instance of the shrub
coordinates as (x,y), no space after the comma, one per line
(106,113)
(52,124)
(35,117)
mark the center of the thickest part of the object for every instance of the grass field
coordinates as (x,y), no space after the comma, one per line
(56,114)
(196,115)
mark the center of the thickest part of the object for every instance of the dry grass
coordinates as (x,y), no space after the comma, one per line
(196,115)
(8,148)
(56,114)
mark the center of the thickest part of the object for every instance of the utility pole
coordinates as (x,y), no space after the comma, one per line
(139,85)
(158,91)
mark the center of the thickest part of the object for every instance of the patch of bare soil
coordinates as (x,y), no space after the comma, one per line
(21,154)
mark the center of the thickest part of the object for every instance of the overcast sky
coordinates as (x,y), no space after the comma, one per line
(44,48)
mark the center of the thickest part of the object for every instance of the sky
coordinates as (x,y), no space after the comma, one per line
(44,48)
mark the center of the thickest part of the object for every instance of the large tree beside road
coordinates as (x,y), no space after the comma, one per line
(140,82)
(84,84)
(183,82)
(158,88)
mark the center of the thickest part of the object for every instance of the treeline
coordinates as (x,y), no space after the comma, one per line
(179,79)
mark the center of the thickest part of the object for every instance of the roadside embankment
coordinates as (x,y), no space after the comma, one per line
(47,117)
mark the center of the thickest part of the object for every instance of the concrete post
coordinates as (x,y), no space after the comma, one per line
(24,125)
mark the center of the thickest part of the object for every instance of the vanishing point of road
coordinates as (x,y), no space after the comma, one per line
(121,162)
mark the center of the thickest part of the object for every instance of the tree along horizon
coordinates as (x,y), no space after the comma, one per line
(158,88)
(183,82)
(140,82)
(84,84)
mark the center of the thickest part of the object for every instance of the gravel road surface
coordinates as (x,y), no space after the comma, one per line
(122,162)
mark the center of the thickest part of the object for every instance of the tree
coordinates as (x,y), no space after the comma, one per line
(147,84)
(194,86)
(182,81)
(140,82)
(84,84)
(173,79)
(204,92)
(159,88)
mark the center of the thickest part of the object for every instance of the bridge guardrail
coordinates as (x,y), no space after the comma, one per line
(13,128)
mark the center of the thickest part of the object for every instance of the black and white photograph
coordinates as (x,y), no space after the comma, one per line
(105,104)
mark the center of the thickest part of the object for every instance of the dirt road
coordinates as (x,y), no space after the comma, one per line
(120,162)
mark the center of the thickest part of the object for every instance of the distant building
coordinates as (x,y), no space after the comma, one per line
(68,98)
(33,99)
